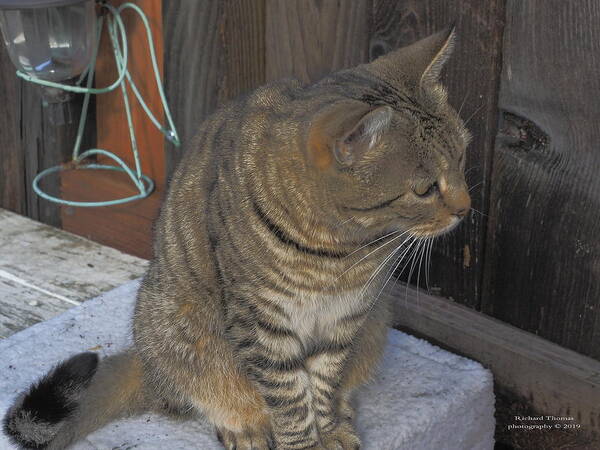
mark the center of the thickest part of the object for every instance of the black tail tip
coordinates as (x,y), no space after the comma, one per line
(34,419)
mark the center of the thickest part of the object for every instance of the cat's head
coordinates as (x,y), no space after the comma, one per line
(390,149)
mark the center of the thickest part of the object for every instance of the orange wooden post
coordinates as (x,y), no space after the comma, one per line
(128,226)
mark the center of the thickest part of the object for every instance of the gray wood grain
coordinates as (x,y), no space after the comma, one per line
(243,42)
(543,252)
(44,271)
(307,39)
(12,172)
(22,307)
(214,51)
(33,137)
(192,63)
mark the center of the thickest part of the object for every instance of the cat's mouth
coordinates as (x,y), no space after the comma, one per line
(434,231)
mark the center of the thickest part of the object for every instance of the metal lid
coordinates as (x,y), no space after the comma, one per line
(30,4)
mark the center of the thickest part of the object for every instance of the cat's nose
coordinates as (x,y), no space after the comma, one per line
(457,198)
(459,202)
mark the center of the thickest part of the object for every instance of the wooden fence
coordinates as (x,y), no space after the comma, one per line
(527,74)
(527,71)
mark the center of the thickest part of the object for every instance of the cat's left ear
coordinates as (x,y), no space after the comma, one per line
(418,64)
(432,72)
(362,136)
(345,132)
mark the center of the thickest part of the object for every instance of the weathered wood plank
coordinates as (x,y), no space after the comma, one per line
(308,39)
(471,77)
(48,132)
(555,380)
(32,137)
(44,271)
(543,252)
(22,306)
(12,172)
(214,51)
(243,44)
(61,262)
(193,64)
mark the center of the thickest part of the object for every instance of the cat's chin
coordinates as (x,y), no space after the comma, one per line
(428,232)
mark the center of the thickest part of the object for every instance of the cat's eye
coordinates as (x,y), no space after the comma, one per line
(426,190)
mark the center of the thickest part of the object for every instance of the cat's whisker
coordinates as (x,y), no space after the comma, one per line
(373,251)
(389,274)
(423,251)
(397,277)
(428,262)
(473,114)
(471,168)
(383,263)
(475,185)
(395,265)
(376,271)
(407,262)
(410,272)
(418,262)
(372,242)
(418,267)
(479,212)
(365,289)
(365,257)
(380,267)
(343,222)
(463,102)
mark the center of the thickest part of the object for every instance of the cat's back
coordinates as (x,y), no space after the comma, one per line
(213,161)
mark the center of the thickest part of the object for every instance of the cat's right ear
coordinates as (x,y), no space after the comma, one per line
(345,133)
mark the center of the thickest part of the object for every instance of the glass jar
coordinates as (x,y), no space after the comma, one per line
(53,39)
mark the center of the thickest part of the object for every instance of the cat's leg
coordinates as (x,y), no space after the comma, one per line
(301,395)
(341,368)
(275,363)
(326,371)
(200,372)
(238,411)
(208,379)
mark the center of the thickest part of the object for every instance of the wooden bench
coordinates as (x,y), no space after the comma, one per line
(45,271)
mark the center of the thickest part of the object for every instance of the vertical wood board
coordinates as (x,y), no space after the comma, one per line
(307,39)
(543,254)
(13,191)
(214,51)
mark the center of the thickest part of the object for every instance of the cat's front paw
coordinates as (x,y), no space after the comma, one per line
(258,439)
(346,411)
(342,437)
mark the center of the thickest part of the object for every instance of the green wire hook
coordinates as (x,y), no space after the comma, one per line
(116,30)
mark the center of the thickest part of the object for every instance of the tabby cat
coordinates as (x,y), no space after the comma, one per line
(261,308)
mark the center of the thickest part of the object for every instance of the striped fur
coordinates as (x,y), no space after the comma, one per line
(259,309)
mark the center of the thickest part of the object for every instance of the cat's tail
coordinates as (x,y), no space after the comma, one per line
(75,398)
